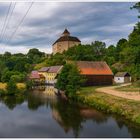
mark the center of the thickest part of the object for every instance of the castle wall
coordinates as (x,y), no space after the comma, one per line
(63,46)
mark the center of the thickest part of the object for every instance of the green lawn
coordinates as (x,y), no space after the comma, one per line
(112,104)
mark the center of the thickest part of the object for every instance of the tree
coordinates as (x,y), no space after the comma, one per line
(69,80)
(99,48)
(121,44)
(11,87)
(7,54)
(35,55)
(136,6)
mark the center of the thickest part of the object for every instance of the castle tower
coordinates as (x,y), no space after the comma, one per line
(64,42)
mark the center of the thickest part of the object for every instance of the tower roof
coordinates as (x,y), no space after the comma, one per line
(66,33)
(66,37)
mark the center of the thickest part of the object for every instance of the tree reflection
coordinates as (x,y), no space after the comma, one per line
(12,101)
(68,116)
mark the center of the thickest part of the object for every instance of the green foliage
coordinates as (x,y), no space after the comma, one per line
(69,80)
(35,56)
(16,66)
(14,75)
(18,78)
(29,84)
(136,6)
(91,52)
(11,88)
(57,59)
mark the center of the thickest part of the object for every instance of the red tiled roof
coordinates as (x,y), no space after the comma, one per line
(54,69)
(94,68)
(36,75)
(44,69)
(51,69)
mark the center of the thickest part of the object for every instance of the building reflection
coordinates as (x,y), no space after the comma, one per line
(42,95)
(49,91)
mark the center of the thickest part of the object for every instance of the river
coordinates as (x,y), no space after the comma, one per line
(40,113)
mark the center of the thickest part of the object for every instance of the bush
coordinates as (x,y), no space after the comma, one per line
(17,78)
(11,88)
(29,84)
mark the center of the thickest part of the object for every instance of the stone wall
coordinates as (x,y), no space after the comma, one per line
(63,46)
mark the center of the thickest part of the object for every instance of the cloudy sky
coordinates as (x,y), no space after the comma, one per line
(44,23)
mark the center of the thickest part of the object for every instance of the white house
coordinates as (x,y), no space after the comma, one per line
(122,77)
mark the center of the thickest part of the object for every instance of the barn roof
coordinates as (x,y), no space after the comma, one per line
(94,68)
(122,74)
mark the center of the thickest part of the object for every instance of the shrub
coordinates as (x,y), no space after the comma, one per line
(11,88)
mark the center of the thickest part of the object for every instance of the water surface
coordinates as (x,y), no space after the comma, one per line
(41,114)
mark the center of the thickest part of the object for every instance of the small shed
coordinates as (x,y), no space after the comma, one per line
(122,77)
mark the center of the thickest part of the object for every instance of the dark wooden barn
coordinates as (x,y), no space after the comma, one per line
(96,73)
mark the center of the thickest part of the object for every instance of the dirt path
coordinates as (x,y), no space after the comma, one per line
(127,95)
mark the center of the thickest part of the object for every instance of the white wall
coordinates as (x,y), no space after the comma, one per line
(119,79)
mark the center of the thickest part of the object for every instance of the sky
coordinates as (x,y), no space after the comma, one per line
(45,22)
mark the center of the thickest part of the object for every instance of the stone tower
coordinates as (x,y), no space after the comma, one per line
(64,42)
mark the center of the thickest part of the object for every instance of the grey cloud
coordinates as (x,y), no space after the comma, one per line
(89,21)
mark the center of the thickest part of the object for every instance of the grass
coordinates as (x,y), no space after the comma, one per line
(128,108)
(19,86)
(130,88)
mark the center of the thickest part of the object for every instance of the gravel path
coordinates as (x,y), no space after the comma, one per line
(127,95)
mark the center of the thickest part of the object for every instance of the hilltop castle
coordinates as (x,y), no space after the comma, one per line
(64,42)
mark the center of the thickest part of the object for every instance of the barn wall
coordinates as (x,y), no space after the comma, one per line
(98,80)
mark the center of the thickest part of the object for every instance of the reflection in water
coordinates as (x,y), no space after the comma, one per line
(52,117)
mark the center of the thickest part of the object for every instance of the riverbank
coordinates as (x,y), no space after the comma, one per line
(9,89)
(110,104)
